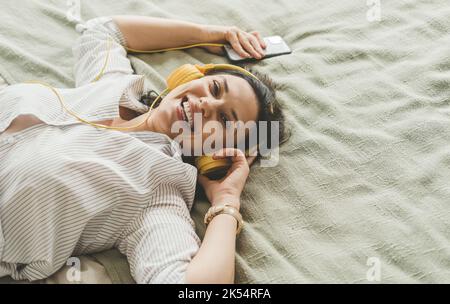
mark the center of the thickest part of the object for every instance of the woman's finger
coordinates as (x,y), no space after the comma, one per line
(234,41)
(237,156)
(260,39)
(254,41)
(251,160)
(245,42)
(239,170)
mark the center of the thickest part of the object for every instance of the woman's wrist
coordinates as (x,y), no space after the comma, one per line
(221,211)
(214,34)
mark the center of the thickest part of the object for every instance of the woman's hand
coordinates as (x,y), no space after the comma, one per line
(246,44)
(228,189)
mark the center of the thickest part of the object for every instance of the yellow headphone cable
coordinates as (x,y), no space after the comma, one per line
(100,75)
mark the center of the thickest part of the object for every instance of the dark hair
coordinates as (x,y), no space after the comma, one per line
(270,109)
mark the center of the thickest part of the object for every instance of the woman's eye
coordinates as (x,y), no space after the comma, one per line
(216,88)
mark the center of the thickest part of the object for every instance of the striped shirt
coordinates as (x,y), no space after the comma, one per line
(69,189)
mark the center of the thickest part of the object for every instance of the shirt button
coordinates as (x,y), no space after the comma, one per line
(10,140)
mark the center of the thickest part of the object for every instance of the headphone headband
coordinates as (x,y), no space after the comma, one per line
(223,66)
(189,72)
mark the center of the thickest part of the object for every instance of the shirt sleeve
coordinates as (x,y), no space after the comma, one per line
(162,241)
(91,51)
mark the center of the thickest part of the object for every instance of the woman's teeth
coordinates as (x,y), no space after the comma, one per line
(188,113)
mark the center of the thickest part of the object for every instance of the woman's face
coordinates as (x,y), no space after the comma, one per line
(209,101)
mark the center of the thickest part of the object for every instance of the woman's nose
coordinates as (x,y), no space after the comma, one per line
(206,107)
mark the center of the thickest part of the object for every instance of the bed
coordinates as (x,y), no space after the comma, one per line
(361,193)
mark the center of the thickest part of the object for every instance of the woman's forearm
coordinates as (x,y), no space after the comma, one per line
(149,33)
(214,262)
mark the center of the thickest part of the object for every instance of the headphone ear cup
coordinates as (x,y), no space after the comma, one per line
(212,168)
(182,75)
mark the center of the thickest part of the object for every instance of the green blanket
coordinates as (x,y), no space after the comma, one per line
(364,179)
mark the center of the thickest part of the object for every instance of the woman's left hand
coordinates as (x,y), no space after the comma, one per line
(246,44)
(228,189)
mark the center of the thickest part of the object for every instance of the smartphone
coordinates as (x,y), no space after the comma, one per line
(276,46)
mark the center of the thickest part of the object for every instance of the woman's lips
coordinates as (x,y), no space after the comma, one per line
(185,111)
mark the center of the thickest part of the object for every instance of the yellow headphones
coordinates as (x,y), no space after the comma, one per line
(188,72)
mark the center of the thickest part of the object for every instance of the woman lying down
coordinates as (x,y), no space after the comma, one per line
(69,188)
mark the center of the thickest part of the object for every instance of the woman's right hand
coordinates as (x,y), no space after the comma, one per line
(246,44)
(228,189)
